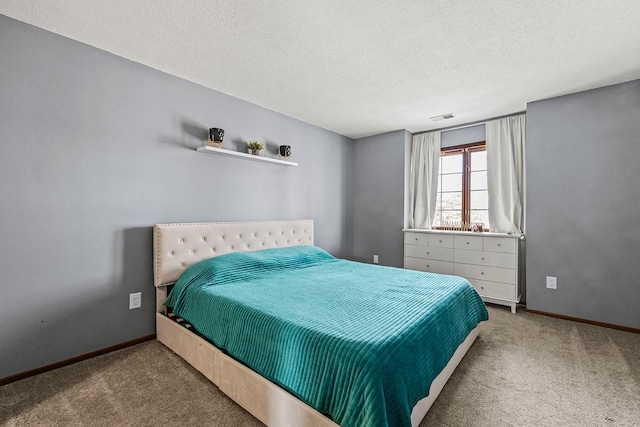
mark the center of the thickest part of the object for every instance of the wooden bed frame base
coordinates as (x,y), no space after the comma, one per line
(260,397)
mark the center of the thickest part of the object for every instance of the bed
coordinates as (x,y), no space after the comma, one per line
(272,392)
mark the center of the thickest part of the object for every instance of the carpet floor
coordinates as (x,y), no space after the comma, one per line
(523,370)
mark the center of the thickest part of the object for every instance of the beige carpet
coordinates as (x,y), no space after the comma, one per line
(524,370)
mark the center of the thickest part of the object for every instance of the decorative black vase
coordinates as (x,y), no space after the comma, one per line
(216,135)
(285,151)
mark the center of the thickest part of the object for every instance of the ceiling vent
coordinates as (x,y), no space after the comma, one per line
(442,117)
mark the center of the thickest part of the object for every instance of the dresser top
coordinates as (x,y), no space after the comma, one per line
(464,233)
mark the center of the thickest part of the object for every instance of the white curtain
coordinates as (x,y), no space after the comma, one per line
(423,179)
(505,173)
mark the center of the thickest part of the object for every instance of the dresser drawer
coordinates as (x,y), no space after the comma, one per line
(441,241)
(494,289)
(481,272)
(428,252)
(471,243)
(416,239)
(497,244)
(488,260)
(429,265)
(491,259)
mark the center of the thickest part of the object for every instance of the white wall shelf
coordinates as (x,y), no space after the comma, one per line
(222,152)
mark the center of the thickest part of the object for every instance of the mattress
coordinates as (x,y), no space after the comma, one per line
(360,343)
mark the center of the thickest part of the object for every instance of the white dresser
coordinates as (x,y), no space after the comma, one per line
(488,260)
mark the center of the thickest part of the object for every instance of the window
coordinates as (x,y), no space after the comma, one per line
(462,201)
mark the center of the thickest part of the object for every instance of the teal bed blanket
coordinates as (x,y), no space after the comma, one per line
(360,343)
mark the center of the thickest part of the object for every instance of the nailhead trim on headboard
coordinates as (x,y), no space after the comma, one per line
(177,246)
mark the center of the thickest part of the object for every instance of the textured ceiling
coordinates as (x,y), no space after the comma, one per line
(365,67)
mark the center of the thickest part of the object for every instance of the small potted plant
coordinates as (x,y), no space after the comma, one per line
(255,147)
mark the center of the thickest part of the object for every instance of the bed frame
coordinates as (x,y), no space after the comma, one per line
(176,247)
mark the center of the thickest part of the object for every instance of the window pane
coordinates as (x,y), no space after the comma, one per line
(451,164)
(479,160)
(480,216)
(479,199)
(451,182)
(451,218)
(479,180)
(452,201)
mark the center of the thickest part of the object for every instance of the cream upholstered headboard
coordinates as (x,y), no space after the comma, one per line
(177,246)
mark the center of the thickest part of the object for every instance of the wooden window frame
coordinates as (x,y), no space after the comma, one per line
(465,150)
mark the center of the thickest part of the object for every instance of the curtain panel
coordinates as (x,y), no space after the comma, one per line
(423,179)
(506,174)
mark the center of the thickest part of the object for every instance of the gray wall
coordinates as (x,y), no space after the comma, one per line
(378,202)
(583,195)
(466,135)
(94,150)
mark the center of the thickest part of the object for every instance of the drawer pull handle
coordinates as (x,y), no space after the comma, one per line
(482,272)
(498,244)
(481,287)
(416,239)
(482,258)
(467,243)
(439,241)
(428,253)
(428,265)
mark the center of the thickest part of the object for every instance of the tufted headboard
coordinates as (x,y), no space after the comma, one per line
(177,246)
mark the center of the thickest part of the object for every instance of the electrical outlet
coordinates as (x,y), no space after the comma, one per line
(375,259)
(135,300)
(552,282)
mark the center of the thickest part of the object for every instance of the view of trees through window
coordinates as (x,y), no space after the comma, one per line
(462,200)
